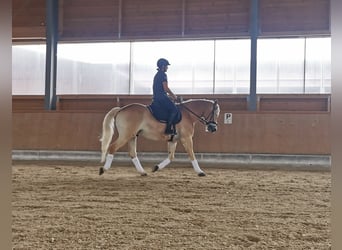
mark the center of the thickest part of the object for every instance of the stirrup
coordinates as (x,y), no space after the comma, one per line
(171,137)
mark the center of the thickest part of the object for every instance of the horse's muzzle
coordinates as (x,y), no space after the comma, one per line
(212,127)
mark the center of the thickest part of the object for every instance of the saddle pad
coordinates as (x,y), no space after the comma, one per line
(161,115)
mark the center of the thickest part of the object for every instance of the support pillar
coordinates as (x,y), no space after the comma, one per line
(51,54)
(252,98)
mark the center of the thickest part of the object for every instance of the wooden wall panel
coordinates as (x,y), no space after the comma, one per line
(216,17)
(315,103)
(98,103)
(56,131)
(153,18)
(77,124)
(102,20)
(276,133)
(106,102)
(101,103)
(28,103)
(28,19)
(89,19)
(293,17)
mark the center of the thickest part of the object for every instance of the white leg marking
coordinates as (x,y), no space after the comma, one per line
(137,165)
(108,163)
(196,167)
(164,163)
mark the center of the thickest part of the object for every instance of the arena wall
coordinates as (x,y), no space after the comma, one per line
(81,20)
(283,124)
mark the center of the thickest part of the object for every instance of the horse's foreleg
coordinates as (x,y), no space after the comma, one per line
(171,149)
(132,146)
(188,146)
(138,166)
(196,167)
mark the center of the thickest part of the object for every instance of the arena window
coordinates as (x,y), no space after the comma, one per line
(294,66)
(28,69)
(285,65)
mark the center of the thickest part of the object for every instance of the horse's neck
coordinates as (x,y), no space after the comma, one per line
(198,106)
(201,103)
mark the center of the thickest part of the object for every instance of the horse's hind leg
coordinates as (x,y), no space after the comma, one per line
(188,145)
(171,148)
(132,146)
(112,149)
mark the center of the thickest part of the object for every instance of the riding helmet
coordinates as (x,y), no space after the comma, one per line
(162,62)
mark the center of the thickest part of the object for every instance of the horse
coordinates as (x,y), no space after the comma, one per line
(136,119)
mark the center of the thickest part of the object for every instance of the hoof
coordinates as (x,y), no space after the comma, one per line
(155,168)
(101,171)
(201,174)
(143,174)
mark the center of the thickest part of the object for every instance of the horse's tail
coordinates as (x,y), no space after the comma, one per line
(108,127)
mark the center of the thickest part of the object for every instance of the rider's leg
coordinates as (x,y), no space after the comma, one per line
(169,124)
(173,111)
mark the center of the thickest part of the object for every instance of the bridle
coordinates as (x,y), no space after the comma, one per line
(204,120)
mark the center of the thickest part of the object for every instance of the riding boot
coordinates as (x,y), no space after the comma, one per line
(168,130)
(170,127)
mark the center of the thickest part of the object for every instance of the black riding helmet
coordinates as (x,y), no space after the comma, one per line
(162,62)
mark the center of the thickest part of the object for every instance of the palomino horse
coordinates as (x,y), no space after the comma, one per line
(135,120)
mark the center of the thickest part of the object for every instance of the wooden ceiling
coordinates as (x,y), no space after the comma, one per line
(164,19)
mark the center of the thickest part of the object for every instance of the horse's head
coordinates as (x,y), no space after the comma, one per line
(206,111)
(211,121)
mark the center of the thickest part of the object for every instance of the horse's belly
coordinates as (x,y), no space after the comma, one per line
(155,134)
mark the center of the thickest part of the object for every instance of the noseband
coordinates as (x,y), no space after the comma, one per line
(205,120)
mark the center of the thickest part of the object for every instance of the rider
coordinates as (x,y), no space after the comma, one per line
(162,94)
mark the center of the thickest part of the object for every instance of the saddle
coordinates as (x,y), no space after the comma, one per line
(159,113)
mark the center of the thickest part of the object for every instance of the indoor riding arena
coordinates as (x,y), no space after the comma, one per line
(250,171)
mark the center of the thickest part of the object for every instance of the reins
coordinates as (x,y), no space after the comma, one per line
(206,120)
